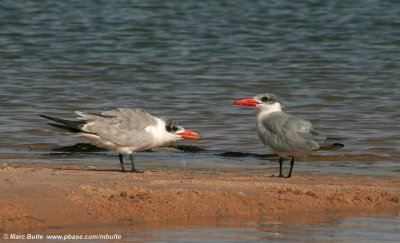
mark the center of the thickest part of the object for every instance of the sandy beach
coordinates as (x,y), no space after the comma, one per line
(37,197)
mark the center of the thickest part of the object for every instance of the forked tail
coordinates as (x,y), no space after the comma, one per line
(71,126)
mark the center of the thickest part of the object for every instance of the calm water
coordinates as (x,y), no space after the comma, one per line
(317,229)
(322,228)
(336,63)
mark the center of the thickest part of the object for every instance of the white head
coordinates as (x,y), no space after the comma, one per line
(263,102)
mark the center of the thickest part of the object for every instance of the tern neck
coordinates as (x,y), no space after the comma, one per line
(267,108)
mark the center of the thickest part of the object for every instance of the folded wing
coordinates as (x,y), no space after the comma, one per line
(122,126)
(284,132)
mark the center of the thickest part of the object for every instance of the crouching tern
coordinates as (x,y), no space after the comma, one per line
(124,130)
(288,136)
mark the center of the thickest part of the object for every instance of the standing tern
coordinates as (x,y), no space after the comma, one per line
(287,135)
(124,130)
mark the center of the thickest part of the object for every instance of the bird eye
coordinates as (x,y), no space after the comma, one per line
(265,99)
(171,128)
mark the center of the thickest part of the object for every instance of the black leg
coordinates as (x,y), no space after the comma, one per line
(133,165)
(122,162)
(291,168)
(280,166)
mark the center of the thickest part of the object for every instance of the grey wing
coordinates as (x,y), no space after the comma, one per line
(132,119)
(289,133)
(305,129)
(123,126)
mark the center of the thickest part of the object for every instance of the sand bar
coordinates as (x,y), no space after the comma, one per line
(37,197)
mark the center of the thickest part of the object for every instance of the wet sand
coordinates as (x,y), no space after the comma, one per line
(35,198)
